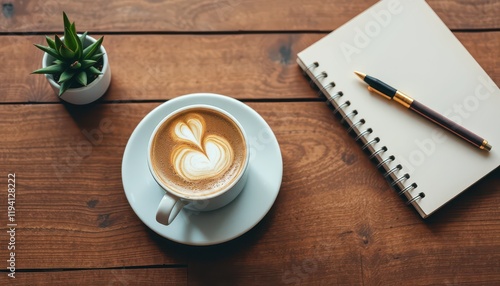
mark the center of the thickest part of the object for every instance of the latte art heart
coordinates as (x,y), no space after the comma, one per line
(191,130)
(198,152)
(198,156)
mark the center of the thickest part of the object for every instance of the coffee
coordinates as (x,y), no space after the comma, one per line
(198,152)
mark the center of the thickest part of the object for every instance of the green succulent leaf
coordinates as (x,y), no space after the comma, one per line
(66,21)
(89,51)
(82,38)
(66,34)
(65,86)
(53,69)
(93,70)
(88,63)
(67,75)
(82,78)
(79,47)
(58,42)
(73,28)
(74,64)
(50,51)
(71,40)
(96,57)
(50,42)
(66,53)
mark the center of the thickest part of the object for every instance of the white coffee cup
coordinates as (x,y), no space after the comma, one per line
(175,200)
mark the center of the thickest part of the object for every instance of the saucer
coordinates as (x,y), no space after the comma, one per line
(212,227)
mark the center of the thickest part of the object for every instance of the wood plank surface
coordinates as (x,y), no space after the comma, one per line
(73,212)
(335,218)
(260,66)
(335,221)
(217,15)
(146,276)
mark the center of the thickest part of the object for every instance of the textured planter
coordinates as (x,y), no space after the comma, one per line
(85,94)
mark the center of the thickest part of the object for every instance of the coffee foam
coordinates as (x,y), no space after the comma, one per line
(210,159)
(198,152)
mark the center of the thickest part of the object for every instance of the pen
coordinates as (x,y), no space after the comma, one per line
(385,90)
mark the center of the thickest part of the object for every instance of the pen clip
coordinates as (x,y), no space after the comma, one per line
(379,93)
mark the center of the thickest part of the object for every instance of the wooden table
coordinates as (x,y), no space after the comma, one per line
(335,221)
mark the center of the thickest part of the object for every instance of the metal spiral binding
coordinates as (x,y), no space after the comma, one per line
(364,133)
(321,75)
(342,106)
(330,85)
(404,177)
(350,115)
(324,89)
(332,98)
(419,196)
(385,161)
(355,125)
(409,187)
(312,66)
(362,136)
(381,150)
(373,141)
(397,168)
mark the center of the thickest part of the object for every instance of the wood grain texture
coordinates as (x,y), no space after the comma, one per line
(260,66)
(68,178)
(335,220)
(146,276)
(217,15)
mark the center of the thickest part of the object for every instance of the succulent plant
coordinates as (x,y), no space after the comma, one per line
(74,64)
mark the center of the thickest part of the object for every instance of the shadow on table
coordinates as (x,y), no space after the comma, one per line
(216,261)
(474,204)
(220,251)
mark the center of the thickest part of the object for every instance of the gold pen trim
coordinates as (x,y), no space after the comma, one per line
(424,111)
(403,99)
(485,145)
(378,92)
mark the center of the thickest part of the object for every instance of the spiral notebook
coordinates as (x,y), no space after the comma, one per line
(405,44)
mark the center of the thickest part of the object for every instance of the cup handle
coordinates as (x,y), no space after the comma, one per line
(168,209)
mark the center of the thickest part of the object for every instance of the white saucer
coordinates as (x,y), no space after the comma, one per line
(229,222)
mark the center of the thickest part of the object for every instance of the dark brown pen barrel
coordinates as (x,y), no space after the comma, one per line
(446,123)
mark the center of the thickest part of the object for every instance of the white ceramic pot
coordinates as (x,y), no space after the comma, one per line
(85,94)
